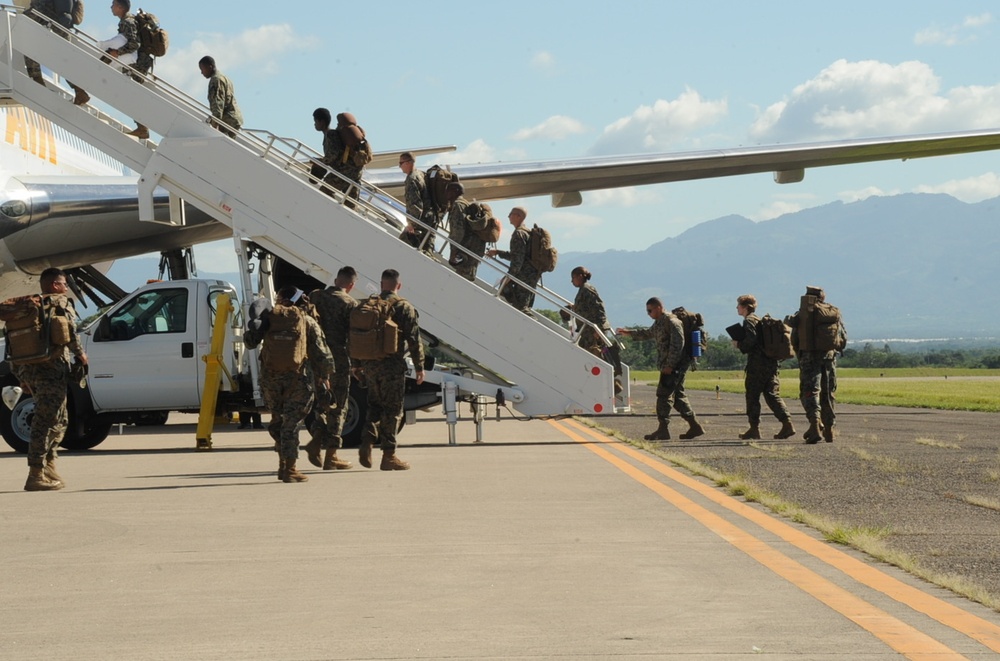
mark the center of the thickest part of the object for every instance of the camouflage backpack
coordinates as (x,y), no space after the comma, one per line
(437,179)
(373,334)
(285,348)
(820,326)
(541,254)
(35,327)
(483,222)
(775,337)
(152,38)
(692,321)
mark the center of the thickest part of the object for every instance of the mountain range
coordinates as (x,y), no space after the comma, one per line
(911,266)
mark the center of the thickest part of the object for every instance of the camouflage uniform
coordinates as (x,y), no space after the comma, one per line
(817,378)
(462,231)
(288,395)
(387,377)
(222,102)
(588,304)
(520,268)
(334,305)
(337,155)
(49,383)
(419,206)
(58,11)
(761,375)
(668,333)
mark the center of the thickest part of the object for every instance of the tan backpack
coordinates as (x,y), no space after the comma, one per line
(373,334)
(285,347)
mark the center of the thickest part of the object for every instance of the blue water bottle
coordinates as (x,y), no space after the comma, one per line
(696,344)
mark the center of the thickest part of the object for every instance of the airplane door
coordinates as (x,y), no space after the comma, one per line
(144,353)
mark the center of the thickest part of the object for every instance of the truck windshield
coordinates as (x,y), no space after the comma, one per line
(157,311)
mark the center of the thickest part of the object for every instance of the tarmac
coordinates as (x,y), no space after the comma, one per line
(547,540)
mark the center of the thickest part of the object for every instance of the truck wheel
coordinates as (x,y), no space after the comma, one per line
(15,425)
(94,432)
(152,418)
(357,411)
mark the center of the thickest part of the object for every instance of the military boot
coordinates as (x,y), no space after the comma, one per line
(365,450)
(81,97)
(140,132)
(38,482)
(390,462)
(292,473)
(813,434)
(313,451)
(50,471)
(281,468)
(694,429)
(37,77)
(753,433)
(331,462)
(786,431)
(662,432)
(828,434)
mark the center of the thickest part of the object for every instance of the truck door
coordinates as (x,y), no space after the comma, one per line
(143,354)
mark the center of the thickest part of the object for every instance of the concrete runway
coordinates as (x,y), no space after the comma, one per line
(545,541)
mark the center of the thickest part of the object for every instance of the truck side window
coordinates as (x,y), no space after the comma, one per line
(158,311)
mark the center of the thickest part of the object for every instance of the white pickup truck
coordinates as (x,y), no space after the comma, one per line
(145,356)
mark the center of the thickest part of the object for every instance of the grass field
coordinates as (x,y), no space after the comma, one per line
(934,388)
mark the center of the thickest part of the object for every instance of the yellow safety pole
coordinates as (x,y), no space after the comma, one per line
(213,369)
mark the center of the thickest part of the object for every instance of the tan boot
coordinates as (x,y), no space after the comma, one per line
(814,433)
(81,97)
(50,472)
(313,451)
(753,433)
(694,429)
(38,482)
(331,462)
(390,462)
(292,473)
(662,432)
(787,430)
(140,132)
(828,434)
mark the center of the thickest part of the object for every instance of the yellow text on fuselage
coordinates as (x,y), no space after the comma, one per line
(32,133)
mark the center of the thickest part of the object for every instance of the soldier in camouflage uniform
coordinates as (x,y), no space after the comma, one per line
(761,374)
(289,394)
(53,11)
(520,264)
(387,380)
(817,379)
(125,47)
(48,382)
(333,307)
(588,304)
(673,361)
(418,205)
(221,98)
(462,231)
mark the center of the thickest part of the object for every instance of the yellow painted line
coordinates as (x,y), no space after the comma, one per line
(973,626)
(901,637)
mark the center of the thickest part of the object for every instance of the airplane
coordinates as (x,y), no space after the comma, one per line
(65,204)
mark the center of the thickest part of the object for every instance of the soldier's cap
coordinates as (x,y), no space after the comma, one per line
(814,291)
(455,186)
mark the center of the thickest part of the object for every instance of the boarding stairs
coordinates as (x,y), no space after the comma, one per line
(259,185)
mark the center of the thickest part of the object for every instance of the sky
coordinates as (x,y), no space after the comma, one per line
(523,80)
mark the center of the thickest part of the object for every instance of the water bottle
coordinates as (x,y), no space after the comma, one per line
(696,344)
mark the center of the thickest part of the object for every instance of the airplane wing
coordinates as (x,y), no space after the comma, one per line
(390,159)
(566,179)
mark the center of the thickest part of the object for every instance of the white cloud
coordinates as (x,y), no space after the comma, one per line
(623,197)
(658,127)
(954,35)
(869,98)
(974,189)
(256,49)
(543,60)
(864,193)
(776,208)
(476,151)
(567,225)
(556,127)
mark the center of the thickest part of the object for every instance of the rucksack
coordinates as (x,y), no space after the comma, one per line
(32,328)
(775,338)
(373,334)
(541,254)
(285,342)
(692,322)
(483,222)
(77,12)
(153,39)
(437,179)
(820,326)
